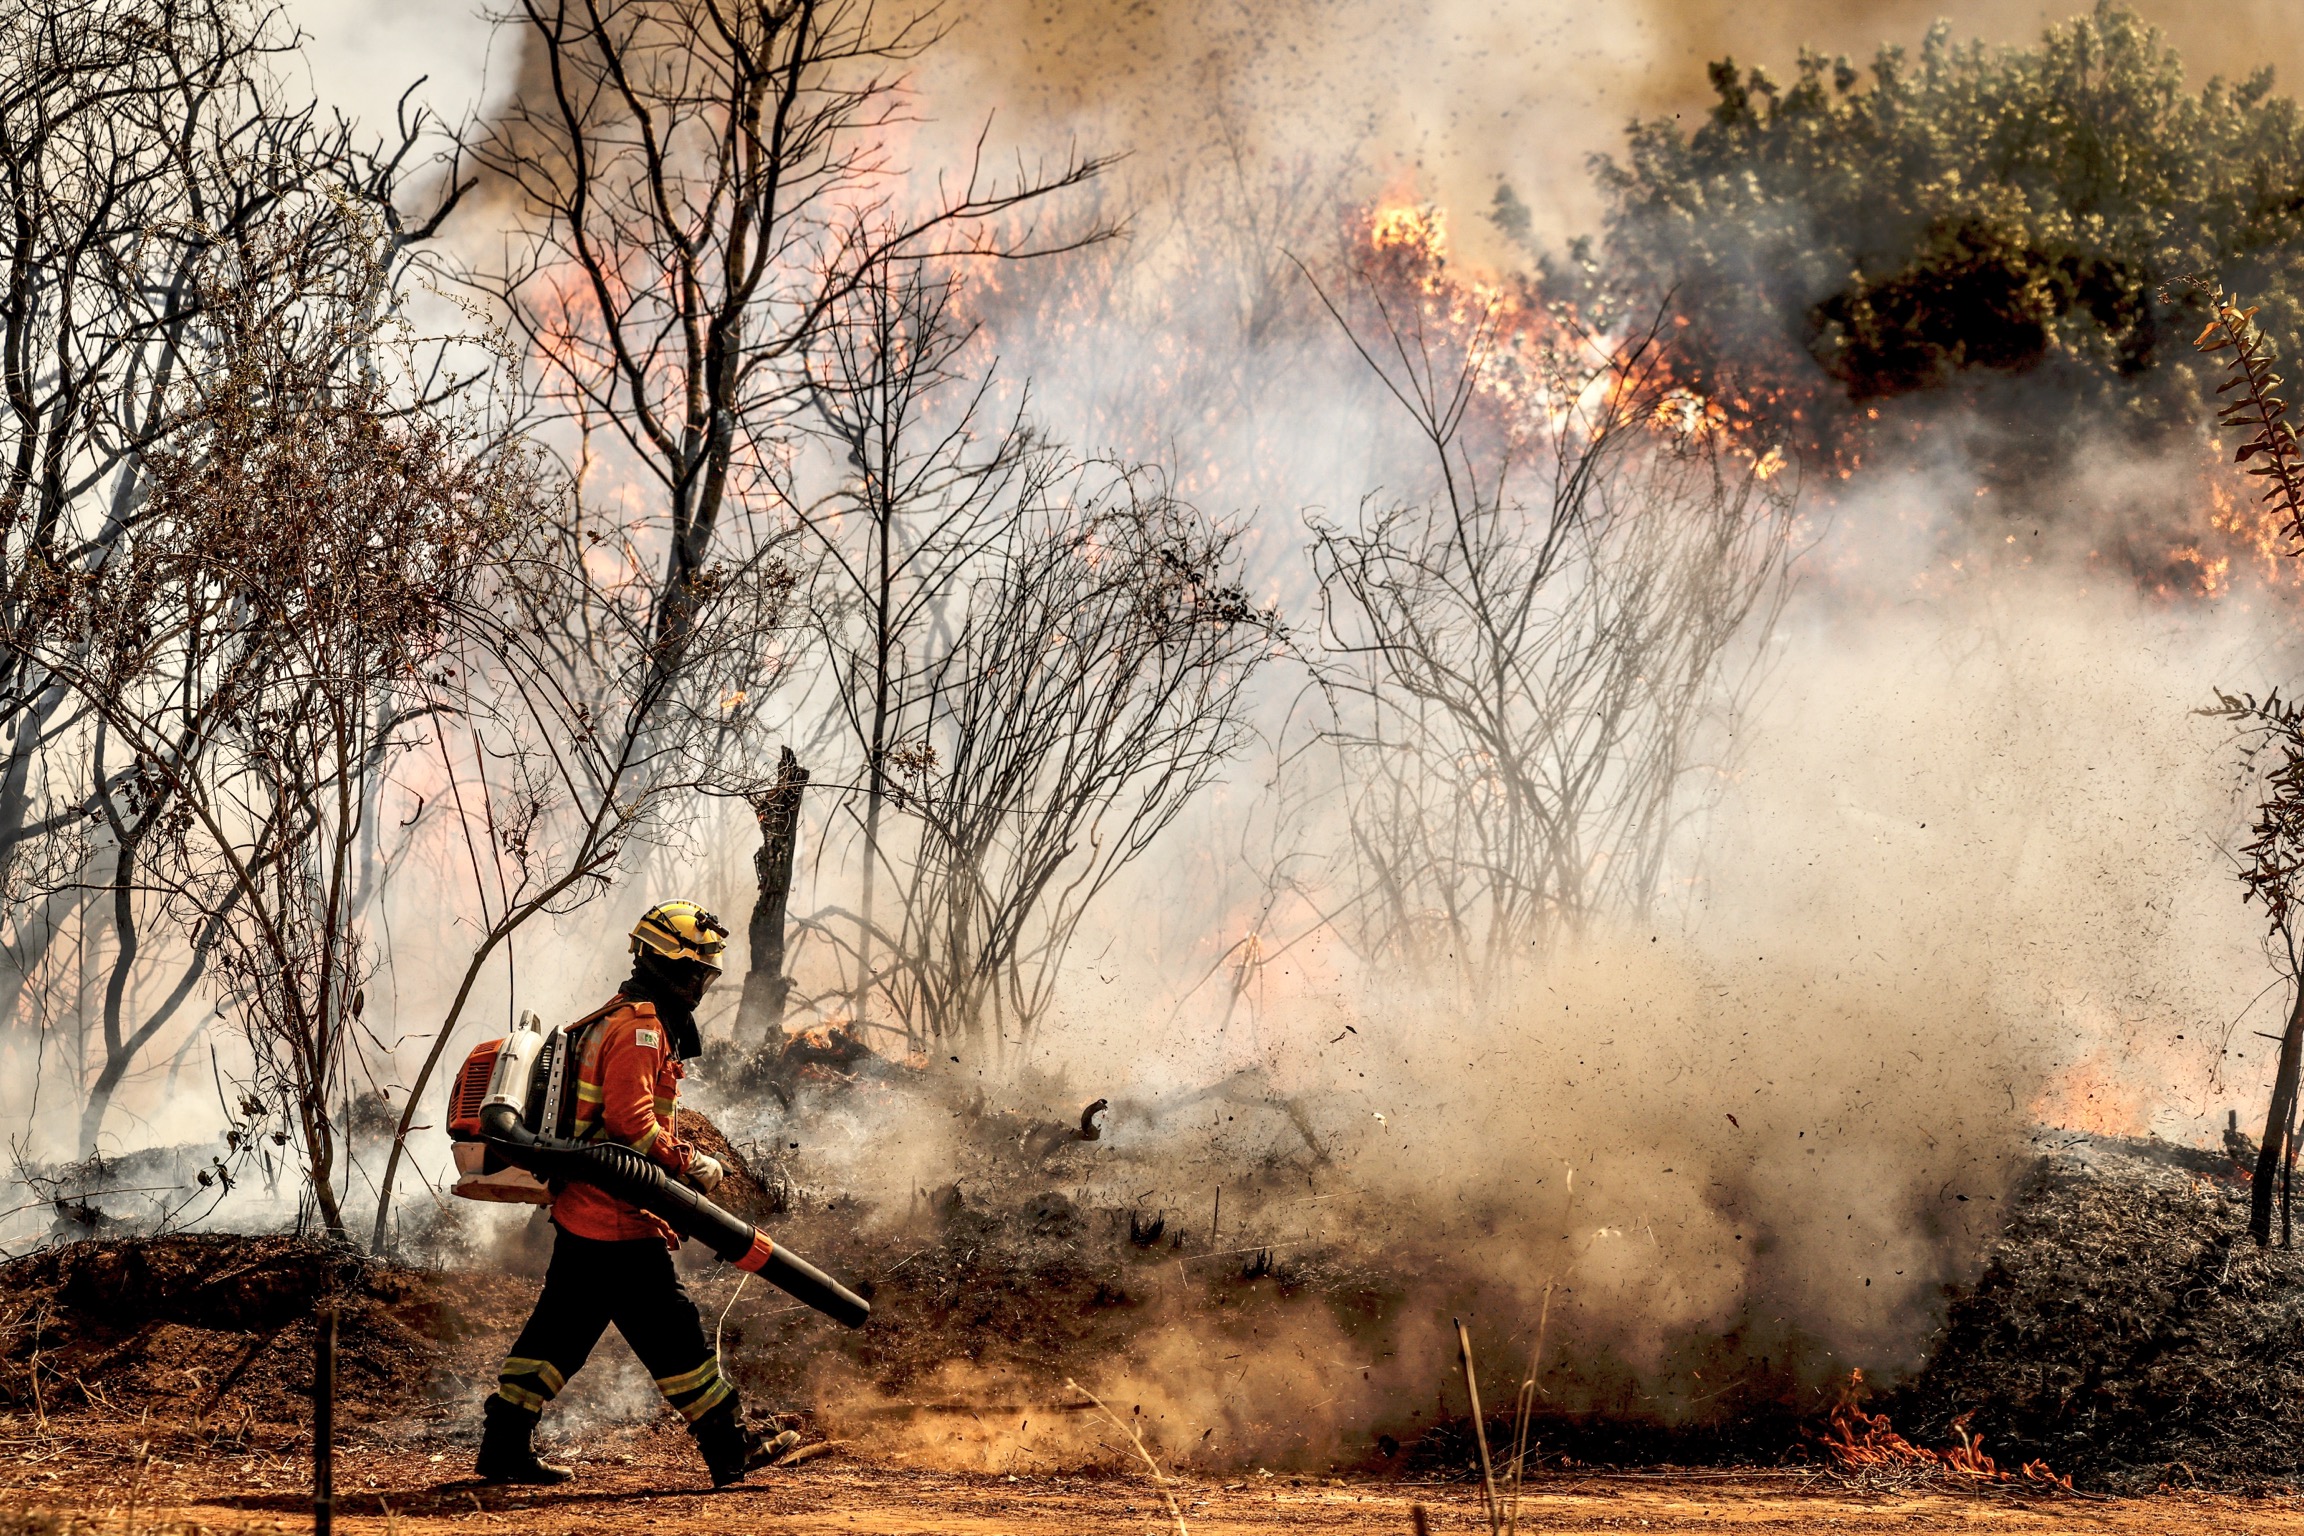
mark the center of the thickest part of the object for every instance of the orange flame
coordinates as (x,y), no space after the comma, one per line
(1532,358)
(2090,1096)
(1858,1440)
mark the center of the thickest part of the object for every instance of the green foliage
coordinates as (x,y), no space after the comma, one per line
(1978,211)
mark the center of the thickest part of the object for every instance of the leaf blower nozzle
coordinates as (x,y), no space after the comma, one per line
(508,1103)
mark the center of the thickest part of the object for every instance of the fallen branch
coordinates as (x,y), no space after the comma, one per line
(809,1453)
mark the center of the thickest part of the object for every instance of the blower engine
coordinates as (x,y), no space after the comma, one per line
(512,1117)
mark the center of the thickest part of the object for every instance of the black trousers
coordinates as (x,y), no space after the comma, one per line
(591,1284)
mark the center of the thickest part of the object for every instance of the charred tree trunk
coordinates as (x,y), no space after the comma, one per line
(765,984)
(2272,1155)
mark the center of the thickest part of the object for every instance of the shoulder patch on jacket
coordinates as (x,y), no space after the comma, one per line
(646,1037)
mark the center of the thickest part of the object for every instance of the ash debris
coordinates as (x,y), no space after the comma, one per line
(118,1195)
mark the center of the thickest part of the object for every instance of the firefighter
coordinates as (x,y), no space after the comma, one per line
(612,1262)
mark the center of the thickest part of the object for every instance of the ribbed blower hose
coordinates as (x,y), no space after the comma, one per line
(630,1176)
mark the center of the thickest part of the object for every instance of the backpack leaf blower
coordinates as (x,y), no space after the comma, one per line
(512,1117)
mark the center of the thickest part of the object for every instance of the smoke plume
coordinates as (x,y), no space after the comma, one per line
(1447,98)
(1956,874)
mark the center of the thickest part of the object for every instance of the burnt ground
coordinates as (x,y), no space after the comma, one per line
(216,1331)
(2126,1330)
(2123,1329)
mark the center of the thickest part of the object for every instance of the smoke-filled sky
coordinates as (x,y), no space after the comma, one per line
(1447,97)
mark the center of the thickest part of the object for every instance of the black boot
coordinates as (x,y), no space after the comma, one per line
(730,1450)
(505,1454)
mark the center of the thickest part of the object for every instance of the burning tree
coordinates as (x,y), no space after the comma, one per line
(702,189)
(704,184)
(1517,683)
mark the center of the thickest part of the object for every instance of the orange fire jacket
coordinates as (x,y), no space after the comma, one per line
(627,1090)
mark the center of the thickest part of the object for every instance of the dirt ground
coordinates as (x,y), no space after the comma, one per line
(646,1479)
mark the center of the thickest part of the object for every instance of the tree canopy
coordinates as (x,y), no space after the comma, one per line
(1961,217)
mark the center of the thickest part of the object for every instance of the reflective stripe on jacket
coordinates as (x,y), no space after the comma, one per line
(627,1090)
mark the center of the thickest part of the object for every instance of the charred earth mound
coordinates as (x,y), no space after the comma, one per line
(2125,1329)
(218,1329)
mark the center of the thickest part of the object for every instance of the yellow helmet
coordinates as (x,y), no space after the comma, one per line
(681,930)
